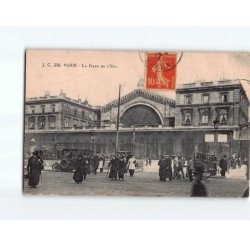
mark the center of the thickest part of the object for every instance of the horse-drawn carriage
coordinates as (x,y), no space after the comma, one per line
(205,165)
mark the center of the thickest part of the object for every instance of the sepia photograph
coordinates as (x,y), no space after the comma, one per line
(136,123)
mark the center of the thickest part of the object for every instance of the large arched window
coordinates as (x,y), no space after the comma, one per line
(140,115)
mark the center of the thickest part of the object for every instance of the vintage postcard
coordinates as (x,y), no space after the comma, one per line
(136,123)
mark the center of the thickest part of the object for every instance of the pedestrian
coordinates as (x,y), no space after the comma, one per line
(181,162)
(129,155)
(78,174)
(122,167)
(214,165)
(199,189)
(175,166)
(95,162)
(238,162)
(199,168)
(247,169)
(131,165)
(34,167)
(41,165)
(113,165)
(88,162)
(185,166)
(165,170)
(101,163)
(161,168)
(146,161)
(168,166)
(149,161)
(190,168)
(223,165)
(232,162)
(85,166)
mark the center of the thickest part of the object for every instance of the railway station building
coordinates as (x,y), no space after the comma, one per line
(206,117)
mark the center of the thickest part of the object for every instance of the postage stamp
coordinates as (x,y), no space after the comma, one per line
(161,71)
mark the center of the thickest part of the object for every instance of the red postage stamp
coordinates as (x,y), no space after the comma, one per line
(161,71)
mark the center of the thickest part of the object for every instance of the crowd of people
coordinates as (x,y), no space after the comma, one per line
(118,165)
(170,167)
(173,167)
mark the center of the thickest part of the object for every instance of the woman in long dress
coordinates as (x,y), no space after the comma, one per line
(122,168)
(161,168)
(78,175)
(158,70)
(34,169)
(101,163)
(131,166)
(113,165)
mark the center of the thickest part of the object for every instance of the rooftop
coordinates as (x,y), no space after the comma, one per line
(61,96)
(201,84)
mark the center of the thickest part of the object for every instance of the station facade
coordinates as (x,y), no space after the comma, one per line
(206,117)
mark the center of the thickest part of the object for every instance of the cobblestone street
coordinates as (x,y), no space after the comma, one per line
(142,184)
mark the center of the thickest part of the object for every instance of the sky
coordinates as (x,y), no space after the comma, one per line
(95,75)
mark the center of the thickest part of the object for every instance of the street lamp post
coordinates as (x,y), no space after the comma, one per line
(216,125)
(134,140)
(93,142)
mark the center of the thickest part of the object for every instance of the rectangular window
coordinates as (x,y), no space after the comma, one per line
(66,122)
(53,108)
(31,122)
(204,118)
(224,97)
(32,109)
(188,99)
(41,122)
(75,122)
(187,118)
(205,98)
(83,114)
(52,121)
(75,112)
(43,109)
(67,110)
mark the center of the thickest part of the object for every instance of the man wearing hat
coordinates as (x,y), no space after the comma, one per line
(168,166)
(34,168)
(79,171)
(165,170)
(161,168)
(175,166)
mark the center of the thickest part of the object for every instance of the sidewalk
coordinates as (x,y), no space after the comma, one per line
(237,173)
